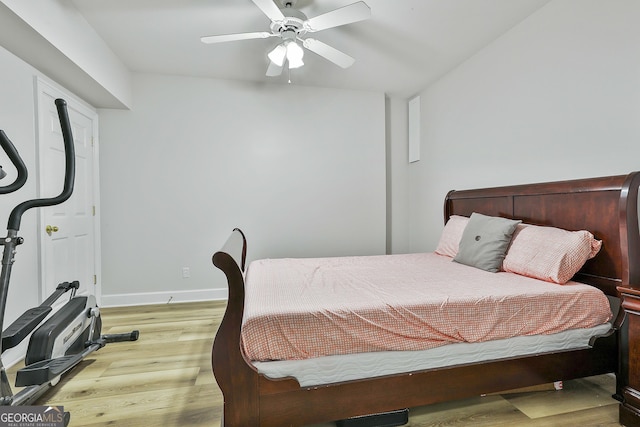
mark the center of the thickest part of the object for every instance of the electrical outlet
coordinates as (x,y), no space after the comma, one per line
(186,272)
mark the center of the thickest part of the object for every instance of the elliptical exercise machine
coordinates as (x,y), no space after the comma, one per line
(58,343)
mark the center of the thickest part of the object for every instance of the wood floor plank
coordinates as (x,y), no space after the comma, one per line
(105,386)
(576,395)
(165,379)
(177,406)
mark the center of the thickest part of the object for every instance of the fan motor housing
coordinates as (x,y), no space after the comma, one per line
(293,20)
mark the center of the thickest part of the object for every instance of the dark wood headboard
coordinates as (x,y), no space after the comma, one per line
(607,207)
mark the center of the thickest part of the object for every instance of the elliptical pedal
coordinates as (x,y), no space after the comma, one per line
(46,370)
(19,329)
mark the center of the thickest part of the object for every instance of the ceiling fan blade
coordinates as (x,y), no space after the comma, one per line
(329,53)
(274,69)
(345,15)
(269,8)
(233,37)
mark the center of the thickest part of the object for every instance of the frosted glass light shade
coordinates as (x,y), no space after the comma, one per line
(294,55)
(278,54)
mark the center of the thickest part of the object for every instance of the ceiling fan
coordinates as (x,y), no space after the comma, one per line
(290,25)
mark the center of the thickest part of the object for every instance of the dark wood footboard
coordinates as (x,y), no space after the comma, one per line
(236,377)
(251,399)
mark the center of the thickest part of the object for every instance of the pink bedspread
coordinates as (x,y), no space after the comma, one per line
(303,308)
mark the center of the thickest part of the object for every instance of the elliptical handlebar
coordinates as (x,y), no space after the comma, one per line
(15,158)
(69,174)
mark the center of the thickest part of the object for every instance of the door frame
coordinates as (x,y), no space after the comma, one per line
(48,87)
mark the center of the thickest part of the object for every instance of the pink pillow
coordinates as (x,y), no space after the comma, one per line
(548,253)
(451,234)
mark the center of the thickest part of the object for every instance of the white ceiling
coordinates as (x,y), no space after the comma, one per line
(405,46)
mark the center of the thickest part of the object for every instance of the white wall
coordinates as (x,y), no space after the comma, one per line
(301,170)
(557,97)
(55,38)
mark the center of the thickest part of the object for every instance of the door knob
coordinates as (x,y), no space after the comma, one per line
(49,229)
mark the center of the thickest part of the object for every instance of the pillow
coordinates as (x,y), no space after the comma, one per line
(451,235)
(548,253)
(485,241)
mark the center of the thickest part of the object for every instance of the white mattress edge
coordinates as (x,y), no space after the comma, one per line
(339,368)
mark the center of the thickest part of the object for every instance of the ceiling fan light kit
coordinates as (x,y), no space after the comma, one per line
(289,50)
(290,25)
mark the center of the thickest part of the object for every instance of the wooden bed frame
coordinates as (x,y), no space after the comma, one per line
(608,207)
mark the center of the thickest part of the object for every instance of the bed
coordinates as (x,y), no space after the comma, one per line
(606,206)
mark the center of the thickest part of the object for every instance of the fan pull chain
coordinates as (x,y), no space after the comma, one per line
(289,74)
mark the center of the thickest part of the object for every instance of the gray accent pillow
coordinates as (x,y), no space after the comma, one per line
(485,241)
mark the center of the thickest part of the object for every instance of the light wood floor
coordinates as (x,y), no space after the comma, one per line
(165,379)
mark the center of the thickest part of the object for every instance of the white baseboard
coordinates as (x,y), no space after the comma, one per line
(15,355)
(122,300)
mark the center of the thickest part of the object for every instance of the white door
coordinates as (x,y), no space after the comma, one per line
(68,231)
